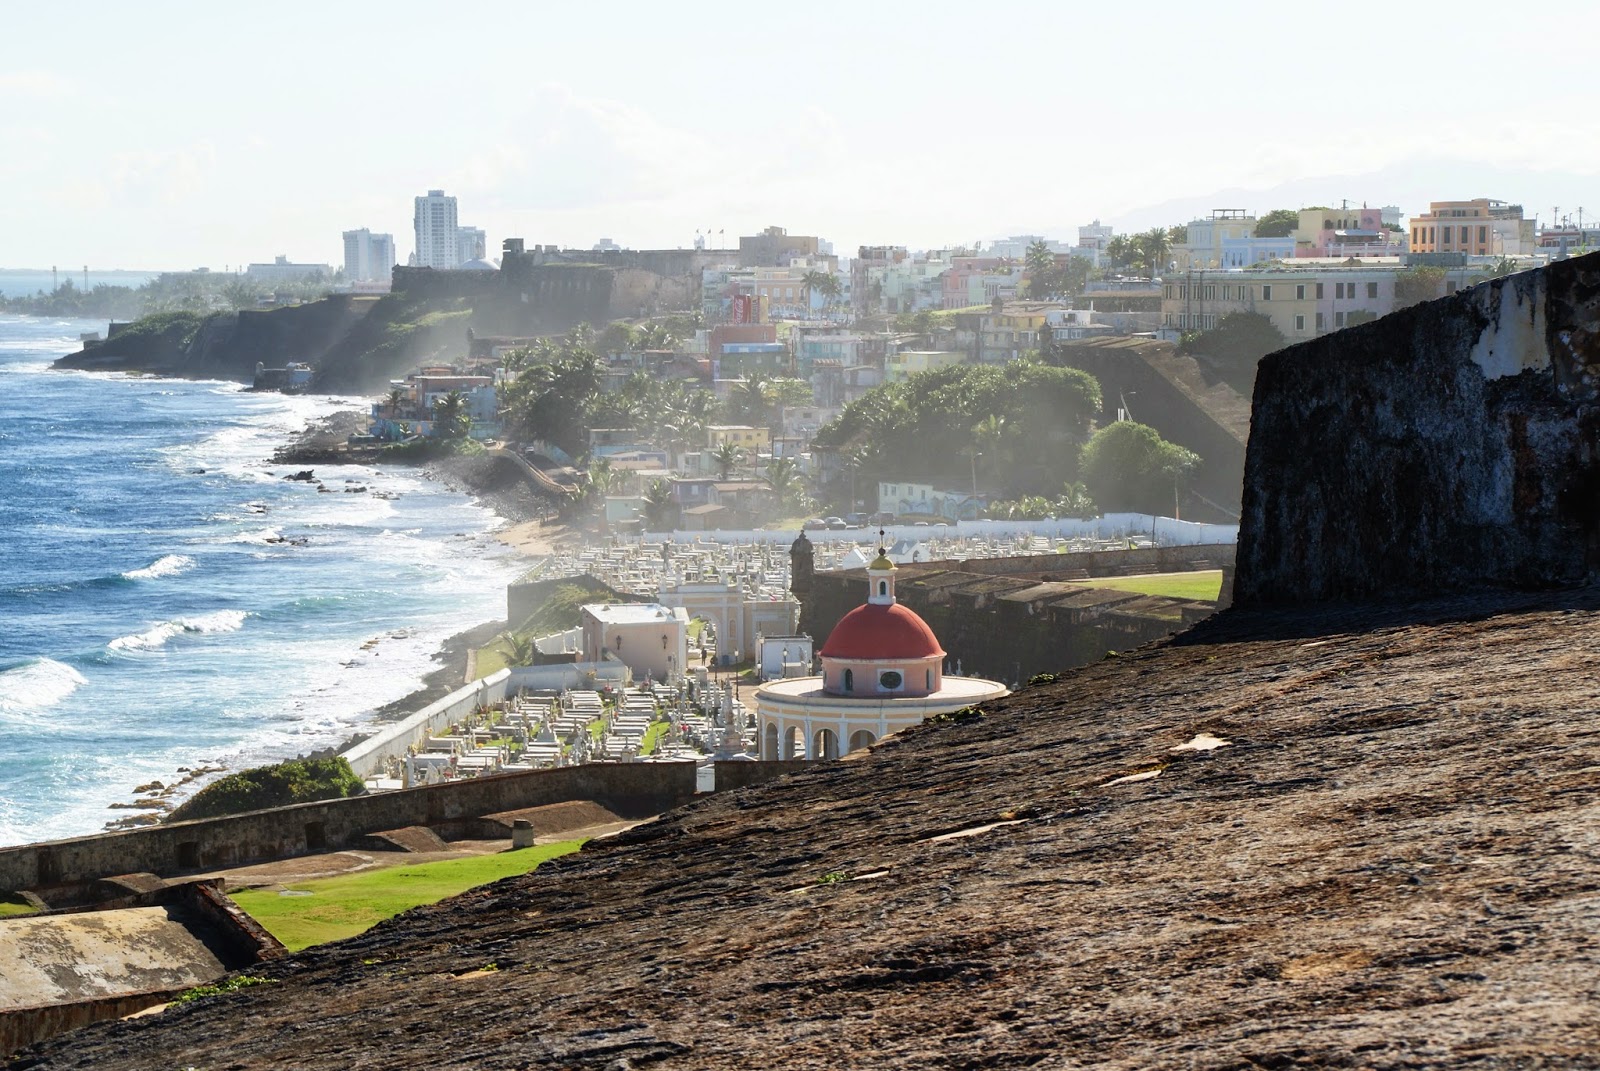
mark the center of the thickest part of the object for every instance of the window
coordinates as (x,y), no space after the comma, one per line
(1483,235)
(1266,293)
(889,680)
(1299,323)
(1372,291)
(1319,291)
(927,678)
(1300,292)
(1320,322)
(1338,319)
(883,587)
(849,681)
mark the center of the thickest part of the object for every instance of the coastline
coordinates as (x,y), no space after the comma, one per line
(521,530)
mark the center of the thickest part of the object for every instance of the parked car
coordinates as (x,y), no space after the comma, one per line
(836,524)
(815,524)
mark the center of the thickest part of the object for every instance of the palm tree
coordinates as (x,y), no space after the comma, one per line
(727,457)
(1041,267)
(783,476)
(520,648)
(450,419)
(823,283)
(1120,251)
(751,401)
(658,504)
(602,477)
(1153,246)
(392,401)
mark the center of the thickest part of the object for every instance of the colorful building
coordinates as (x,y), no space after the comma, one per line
(1482,228)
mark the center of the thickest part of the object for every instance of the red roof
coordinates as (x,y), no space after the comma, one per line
(882,632)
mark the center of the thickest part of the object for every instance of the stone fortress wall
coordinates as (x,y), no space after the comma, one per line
(1449,446)
(636,790)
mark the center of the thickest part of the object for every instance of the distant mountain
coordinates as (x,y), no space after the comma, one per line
(1411,185)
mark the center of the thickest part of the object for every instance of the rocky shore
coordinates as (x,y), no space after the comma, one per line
(492,480)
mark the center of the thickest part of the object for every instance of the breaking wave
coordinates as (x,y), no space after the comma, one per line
(36,684)
(157,635)
(169,565)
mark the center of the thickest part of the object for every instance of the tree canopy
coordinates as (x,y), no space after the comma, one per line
(1130,467)
(1279,223)
(1018,425)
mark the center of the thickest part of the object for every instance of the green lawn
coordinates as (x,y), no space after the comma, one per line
(652,736)
(344,906)
(15,906)
(1203,586)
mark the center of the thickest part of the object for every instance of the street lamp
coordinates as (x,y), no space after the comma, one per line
(975,455)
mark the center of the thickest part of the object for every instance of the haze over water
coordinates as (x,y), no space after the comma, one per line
(167,599)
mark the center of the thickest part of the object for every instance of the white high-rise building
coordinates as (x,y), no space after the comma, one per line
(471,244)
(368,257)
(438,245)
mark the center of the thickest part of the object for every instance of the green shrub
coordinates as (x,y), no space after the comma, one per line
(297,781)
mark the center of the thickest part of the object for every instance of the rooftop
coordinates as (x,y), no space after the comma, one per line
(634,613)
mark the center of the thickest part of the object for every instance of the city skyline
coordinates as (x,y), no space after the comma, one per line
(176,148)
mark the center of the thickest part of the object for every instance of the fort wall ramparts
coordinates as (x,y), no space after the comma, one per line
(635,790)
(1449,446)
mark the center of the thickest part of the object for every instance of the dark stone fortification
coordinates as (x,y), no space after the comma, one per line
(1449,446)
(1385,868)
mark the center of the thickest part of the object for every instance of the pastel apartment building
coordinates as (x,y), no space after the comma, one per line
(1301,304)
(1349,232)
(1481,228)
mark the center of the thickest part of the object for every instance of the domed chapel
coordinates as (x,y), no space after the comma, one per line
(882,670)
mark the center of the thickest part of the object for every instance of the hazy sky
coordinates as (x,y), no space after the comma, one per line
(165,135)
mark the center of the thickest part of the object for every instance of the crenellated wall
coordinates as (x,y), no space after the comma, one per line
(1450,446)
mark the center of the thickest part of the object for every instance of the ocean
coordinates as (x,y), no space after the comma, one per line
(168,599)
(25,282)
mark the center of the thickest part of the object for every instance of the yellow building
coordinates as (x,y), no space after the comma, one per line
(751,440)
(1479,228)
(900,365)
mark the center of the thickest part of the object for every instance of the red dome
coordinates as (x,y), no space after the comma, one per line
(877,631)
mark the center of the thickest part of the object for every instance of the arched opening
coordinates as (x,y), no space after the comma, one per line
(769,741)
(861,738)
(793,745)
(824,744)
(883,587)
(927,676)
(849,681)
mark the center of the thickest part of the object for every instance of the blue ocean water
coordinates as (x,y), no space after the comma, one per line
(167,599)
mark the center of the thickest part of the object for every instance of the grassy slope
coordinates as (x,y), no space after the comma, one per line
(1203,586)
(16,906)
(344,906)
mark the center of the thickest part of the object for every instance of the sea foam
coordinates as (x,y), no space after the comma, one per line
(167,565)
(36,684)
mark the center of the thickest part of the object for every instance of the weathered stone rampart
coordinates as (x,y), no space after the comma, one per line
(634,790)
(1450,446)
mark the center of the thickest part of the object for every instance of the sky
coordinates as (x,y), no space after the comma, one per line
(164,135)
